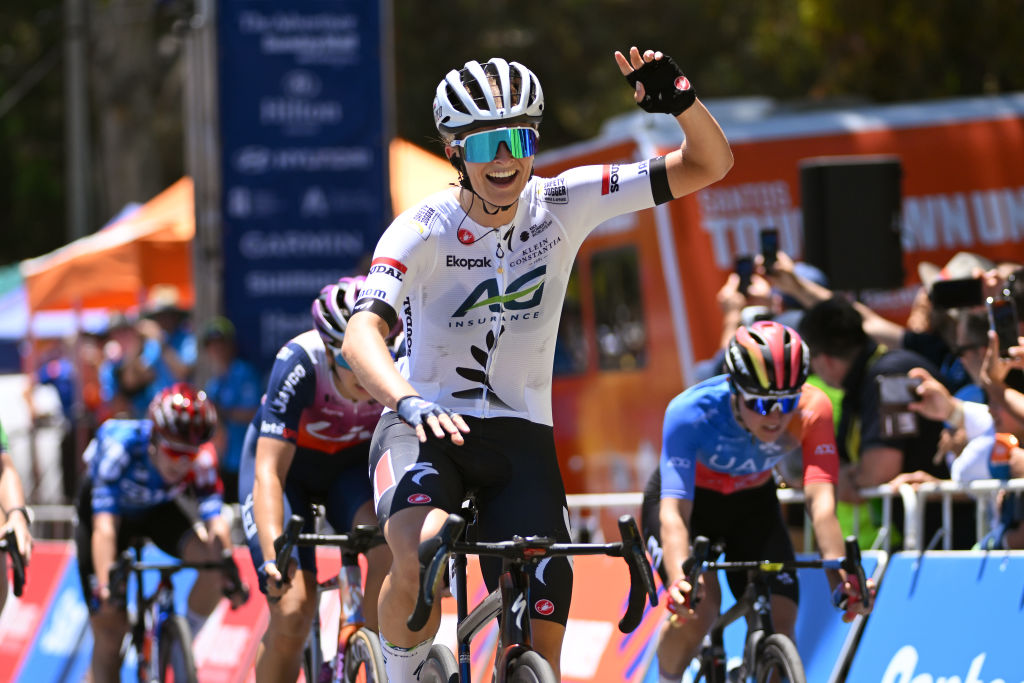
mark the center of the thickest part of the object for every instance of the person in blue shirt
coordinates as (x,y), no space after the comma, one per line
(143,477)
(235,387)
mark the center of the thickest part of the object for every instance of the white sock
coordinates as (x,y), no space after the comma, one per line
(403,664)
(195,621)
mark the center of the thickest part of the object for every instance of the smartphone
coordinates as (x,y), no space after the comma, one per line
(1002,318)
(744,268)
(895,392)
(961,293)
(770,246)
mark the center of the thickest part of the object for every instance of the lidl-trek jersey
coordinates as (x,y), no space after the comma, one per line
(481,306)
(704,445)
(303,407)
(125,482)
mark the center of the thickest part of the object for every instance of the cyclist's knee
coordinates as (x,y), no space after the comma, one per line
(291,619)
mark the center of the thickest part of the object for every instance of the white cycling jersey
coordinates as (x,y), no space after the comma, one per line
(481,305)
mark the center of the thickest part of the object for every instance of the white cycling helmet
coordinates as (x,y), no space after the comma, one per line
(465,101)
(333,307)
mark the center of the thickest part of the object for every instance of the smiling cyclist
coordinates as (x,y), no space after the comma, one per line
(720,440)
(478,273)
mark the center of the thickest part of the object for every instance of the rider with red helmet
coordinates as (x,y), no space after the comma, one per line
(721,441)
(144,479)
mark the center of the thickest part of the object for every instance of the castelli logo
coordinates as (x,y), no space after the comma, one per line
(466,237)
(418,498)
(682,83)
(544,607)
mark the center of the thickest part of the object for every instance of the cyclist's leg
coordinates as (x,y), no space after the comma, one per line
(764,536)
(413,485)
(679,641)
(349,501)
(109,624)
(523,494)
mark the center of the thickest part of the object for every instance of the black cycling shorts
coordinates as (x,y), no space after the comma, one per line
(749,522)
(335,480)
(511,466)
(167,525)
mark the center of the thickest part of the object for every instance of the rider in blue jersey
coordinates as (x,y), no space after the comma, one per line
(308,443)
(721,440)
(144,479)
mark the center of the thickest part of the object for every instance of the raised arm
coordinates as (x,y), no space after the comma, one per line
(705,156)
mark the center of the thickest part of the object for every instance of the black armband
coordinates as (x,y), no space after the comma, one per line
(660,189)
(381,308)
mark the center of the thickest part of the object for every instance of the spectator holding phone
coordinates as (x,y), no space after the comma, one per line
(845,357)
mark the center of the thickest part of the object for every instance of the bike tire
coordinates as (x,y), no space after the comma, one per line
(778,654)
(530,667)
(364,661)
(175,632)
(440,666)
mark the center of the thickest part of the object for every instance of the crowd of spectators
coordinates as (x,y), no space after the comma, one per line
(949,350)
(115,372)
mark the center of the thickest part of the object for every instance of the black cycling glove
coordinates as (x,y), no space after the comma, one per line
(414,410)
(666,89)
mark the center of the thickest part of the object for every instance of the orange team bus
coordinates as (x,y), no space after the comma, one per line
(641,308)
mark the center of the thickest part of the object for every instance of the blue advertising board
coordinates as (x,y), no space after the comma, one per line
(304,157)
(945,616)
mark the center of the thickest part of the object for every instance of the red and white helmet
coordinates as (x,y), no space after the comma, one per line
(183,415)
(767,358)
(465,100)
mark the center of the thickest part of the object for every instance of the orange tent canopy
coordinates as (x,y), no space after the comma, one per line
(115,267)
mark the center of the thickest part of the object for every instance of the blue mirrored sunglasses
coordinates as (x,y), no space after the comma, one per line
(482,147)
(766,404)
(339,359)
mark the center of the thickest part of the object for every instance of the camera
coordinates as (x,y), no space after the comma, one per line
(1002,318)
(745,269)
(960,293)
(895,393)
(769,247)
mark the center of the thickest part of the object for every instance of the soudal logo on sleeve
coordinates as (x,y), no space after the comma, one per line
(452,261)
(389,267)
(553,192)
(610,179)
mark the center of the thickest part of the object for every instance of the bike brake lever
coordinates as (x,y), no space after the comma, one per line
(17,562)
(853,566)
(641,578)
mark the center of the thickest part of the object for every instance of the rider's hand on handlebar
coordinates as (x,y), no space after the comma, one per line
(680,602)
(846,597)
(276,584)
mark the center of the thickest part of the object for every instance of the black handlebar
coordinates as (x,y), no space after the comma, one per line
(284,544)
(852,566)
(10,543)
(434,553)
(641,577)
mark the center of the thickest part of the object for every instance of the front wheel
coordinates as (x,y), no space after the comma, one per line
(364,662)
(177,663)
(440,666)
(778,660)
(530,667)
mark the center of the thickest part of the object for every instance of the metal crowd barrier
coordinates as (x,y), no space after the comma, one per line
(914,497)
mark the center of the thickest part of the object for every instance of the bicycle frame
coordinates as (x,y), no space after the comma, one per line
(511,598)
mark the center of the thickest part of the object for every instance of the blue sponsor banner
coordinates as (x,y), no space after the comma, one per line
(945,616)
(304,157)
